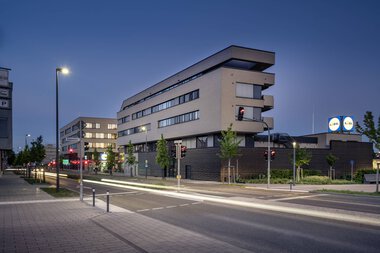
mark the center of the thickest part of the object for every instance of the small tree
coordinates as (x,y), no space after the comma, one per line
(229,146)
(162,157)
(303,157)
(110,158)
(131,158)
(370,130)
(96,159)
(331,160)
(37,151)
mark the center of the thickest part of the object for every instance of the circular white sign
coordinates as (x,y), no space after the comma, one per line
(334,124)
(348,123)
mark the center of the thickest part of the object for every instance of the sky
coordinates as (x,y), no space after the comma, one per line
(327,55)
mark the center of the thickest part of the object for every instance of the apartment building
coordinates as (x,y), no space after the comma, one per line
(6,135)
(100,133)
(196,104)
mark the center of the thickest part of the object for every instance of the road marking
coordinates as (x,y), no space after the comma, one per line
(196,203)
(143,210)
(37,201)
(298,197)
(157,208)
(170,206)
(343,202)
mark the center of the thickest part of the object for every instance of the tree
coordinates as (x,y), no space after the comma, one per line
(303,157)
(37,151)
(96,159)
(131,158)
(331,160)
(229,146)
(162,157)
(11,157)
(110,158)
(370,130)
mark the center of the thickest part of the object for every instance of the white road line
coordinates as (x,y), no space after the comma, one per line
(143,210)
(298,197)
(196,203)
(184,205)
(38,201)
(170,206)
(157,208)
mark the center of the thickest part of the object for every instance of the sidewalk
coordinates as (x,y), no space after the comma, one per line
(44,224)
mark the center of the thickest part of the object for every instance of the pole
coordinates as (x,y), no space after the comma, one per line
(269,154)
(93,196)
(377,178)
(178,152)
(294,163)
(108,201)
(81,161)
(56,129)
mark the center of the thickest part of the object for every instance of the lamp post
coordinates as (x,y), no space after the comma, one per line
(26,136)
(64,71)
(294,162)
(145,129)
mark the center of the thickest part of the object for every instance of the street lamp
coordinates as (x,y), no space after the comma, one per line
(64,71)
(144,128)
(26,136)
(294,162)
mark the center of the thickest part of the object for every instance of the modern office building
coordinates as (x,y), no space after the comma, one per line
(100,133)
(6,88)
(196,104)
(49,154)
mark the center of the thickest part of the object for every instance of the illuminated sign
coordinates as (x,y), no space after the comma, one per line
(65,162)
(348,124)
(341,124)
(103,157)
(334,124)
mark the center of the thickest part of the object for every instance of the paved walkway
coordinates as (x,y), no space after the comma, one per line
(33,221)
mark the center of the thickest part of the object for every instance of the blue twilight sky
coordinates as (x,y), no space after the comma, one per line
(327,54)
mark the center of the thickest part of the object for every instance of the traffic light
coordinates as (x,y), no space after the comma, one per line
(71,150)
(183,151)
(266,155)
(241,113)
(86,146)
(173,151)
(272,154)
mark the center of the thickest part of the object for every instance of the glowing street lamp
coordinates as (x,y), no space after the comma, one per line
(64,71)
(26,136)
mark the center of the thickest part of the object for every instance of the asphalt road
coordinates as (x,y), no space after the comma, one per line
(256,230)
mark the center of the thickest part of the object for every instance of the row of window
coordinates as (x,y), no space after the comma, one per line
(179,119)
(246,90)
(134,130)
(165,105)
(100,136)
(165,90)
(123,120)
(87,126)
(91,145)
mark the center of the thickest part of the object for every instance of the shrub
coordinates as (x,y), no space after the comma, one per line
(315,180)
(359,174)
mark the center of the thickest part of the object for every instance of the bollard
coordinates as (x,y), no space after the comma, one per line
(291,185)
(43,171)
(108,201)
(93,196)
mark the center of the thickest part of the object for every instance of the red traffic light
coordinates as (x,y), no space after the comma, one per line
(241,113)
(183,151)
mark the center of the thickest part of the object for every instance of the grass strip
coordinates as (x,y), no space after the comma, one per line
(349,192)
(62,193)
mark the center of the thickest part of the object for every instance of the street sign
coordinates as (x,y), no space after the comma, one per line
(72,139)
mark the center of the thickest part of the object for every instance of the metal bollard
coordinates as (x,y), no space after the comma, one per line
(291,185)
(108,201)
(93,196)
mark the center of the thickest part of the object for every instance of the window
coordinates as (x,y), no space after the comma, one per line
(248,90)
(97,125)
(179,119)
(134,130)
(165,105)
(99,135)
(202,142)
(123,120)
(250,113)
(68,130)
(88,135)
(111,126)
(89,125)
(111,136)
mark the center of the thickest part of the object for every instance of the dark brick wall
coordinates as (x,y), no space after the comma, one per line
(205,164)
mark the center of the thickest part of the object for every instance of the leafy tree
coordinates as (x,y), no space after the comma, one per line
(96,158)
(111,156)
(162,157)
(369,129)
(331,160)
(11,157)
(131,158)
(303,157)
(37,151)
(229,146)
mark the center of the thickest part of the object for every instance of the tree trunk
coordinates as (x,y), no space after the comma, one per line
(229,171)
(298,174)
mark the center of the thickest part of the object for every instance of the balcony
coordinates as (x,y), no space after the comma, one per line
(269,121)
(268,102)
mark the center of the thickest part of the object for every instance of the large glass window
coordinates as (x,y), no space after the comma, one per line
(202,142)
(179,119)
(250,113)
(246,90)
(111,126)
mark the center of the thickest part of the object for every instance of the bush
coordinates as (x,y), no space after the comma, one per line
(359,175)
(315,180)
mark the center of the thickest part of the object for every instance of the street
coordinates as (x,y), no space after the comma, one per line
(253,229)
